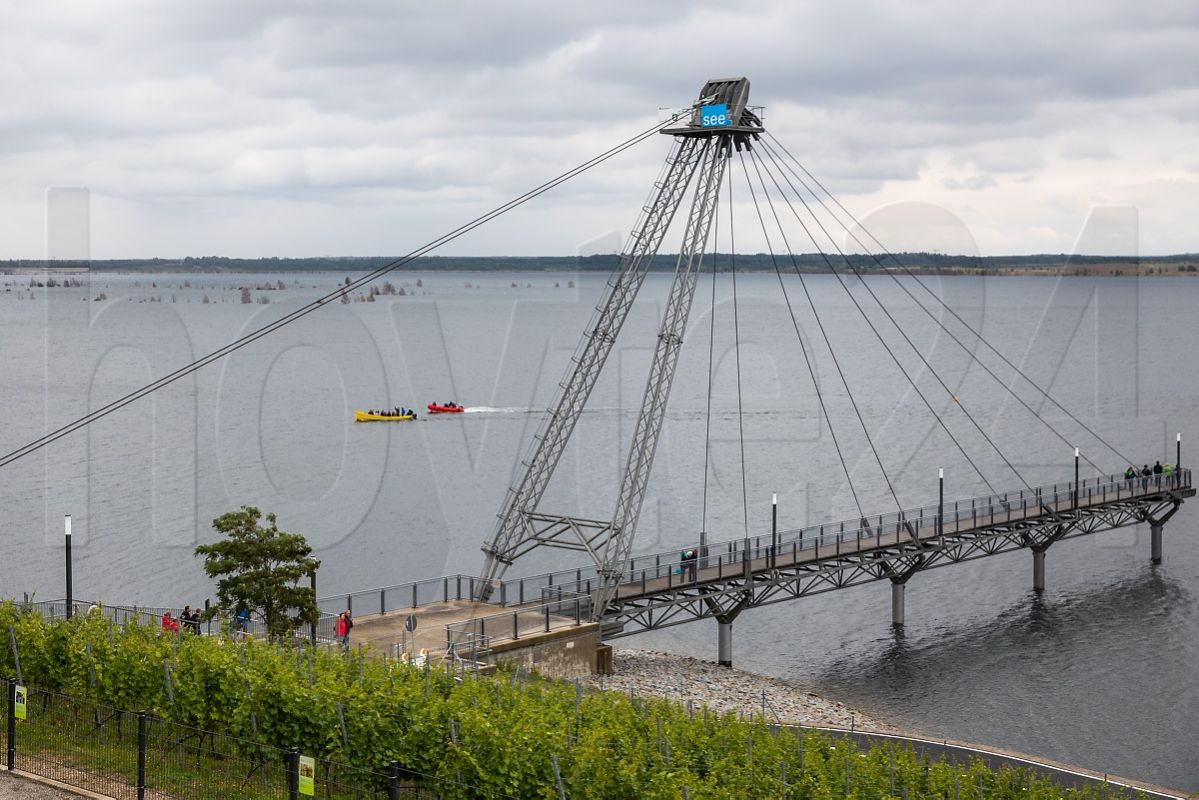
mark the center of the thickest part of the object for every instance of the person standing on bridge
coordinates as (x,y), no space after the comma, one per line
(1145,475)
(1130,475)
(690,563)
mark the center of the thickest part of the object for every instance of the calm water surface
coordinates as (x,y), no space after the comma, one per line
(1100,670)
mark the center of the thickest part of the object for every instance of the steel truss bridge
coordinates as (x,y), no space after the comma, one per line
(627,594)
(661,590)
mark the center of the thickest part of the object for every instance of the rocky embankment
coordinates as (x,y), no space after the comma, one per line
(721,689)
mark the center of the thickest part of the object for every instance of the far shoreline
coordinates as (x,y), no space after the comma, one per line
(916,263)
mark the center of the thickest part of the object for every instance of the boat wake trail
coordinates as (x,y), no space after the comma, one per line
(494,410)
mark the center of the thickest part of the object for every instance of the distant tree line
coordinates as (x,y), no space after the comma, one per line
(809,262)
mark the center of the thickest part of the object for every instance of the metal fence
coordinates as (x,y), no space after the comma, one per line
(152,616)
(402,596)
(122,754)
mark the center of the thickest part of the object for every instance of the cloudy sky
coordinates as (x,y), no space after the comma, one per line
(315,128)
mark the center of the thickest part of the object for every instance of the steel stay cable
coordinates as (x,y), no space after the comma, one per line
(932,316)
(1044,393)
(754,159)
(308,308)
(882,306)
(878,335)
(737,351)
(803,348)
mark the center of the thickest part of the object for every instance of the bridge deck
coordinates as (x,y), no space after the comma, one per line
(661,589)
(870,539)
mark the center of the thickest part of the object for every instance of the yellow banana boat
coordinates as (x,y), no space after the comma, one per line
(366,416)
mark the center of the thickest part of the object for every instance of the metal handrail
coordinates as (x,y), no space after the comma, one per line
(400,596)
(152,616)
(732,555)
(563,609)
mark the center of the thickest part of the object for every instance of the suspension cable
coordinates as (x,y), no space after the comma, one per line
(304,310)
(755,159)
(883,307)
(890,352)
(932,316)
(803,348)
(978,336)
(737,352)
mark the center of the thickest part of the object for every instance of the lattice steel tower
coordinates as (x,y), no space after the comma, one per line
(719,122)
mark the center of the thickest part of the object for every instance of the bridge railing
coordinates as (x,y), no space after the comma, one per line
(730,555)
(402,596)
(151,616)
(558,609)
(734,556)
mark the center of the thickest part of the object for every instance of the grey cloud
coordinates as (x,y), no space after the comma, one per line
(973,184)
(455,104)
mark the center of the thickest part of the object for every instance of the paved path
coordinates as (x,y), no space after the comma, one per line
(17,788)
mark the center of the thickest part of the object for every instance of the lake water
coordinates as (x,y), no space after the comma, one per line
(1100,670)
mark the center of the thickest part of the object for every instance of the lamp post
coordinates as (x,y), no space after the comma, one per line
(70,592)
(312,627)
(774,530)
(941,506)
(1075,477)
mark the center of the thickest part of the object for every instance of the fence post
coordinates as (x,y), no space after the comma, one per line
(293,774)
(558,777)
(12,724)
(141,755)
(393,784)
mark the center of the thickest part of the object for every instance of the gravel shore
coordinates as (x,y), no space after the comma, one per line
(721,689)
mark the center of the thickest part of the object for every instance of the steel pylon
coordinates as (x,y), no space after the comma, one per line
(699,147)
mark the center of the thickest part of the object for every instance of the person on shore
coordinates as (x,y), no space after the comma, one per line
(341,629)
(241,622)
(185,618)
(168,623)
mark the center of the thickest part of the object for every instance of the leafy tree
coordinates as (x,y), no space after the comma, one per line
(259,568)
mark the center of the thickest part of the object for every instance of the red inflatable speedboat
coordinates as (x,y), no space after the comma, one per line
(450,409)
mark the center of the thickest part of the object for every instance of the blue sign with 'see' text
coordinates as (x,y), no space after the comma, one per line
(714,116)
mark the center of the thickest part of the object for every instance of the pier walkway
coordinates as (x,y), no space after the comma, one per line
(662,589)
